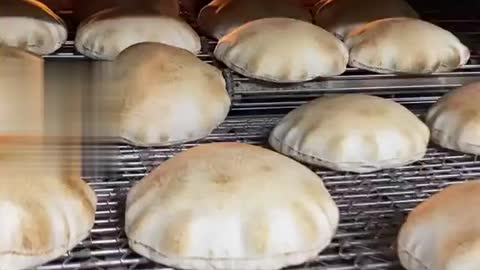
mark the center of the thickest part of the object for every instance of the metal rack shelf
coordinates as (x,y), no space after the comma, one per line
(249,94)
(372,205)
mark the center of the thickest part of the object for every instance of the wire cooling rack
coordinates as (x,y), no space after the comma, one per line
(372,205)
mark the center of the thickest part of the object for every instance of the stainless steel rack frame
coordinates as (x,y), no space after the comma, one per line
(373,205)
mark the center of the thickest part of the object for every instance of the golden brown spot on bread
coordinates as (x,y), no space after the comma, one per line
(168,67)
(471,114)
(176,236)
(221,179)
(266,168)
(36,227)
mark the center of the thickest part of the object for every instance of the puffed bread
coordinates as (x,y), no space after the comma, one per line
(107,33)
(353,132)
(45,209)
(444,231)
(21,93)
(30,25)
(161,95)
(230,206)
(340,17)
(220,17)
(454,120)
(405,45)
(282,50)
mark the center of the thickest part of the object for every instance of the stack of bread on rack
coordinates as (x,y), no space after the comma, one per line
(231,205)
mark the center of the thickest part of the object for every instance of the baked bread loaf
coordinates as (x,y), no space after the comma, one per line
(340,17)
(162,95)
(230,206)
(454,120)
(354,132)
(443,232)
(21,93)
(46,210)
(30,25)
(282,50)
(107,33)
(405,45)
(220,17)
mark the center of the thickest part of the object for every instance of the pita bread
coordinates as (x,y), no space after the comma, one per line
(230,206)
(30,25)
(260,50)
(21,93)
(46,210)
(169,97)
(340,17)
(404,45)
(442,233)
(107,33)
(220,17)
(455,120)
(354,132)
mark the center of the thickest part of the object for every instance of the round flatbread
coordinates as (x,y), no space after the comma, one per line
(220,17)
(30,25)
(107,33)
(340,17)
(442,232)
(230,206)
(354,132)
(282,50)
(162,95)
(455,120)
(405,45)
(21,93)
(46,210)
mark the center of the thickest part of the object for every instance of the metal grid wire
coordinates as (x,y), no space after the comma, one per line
(372,205)
(253,95)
